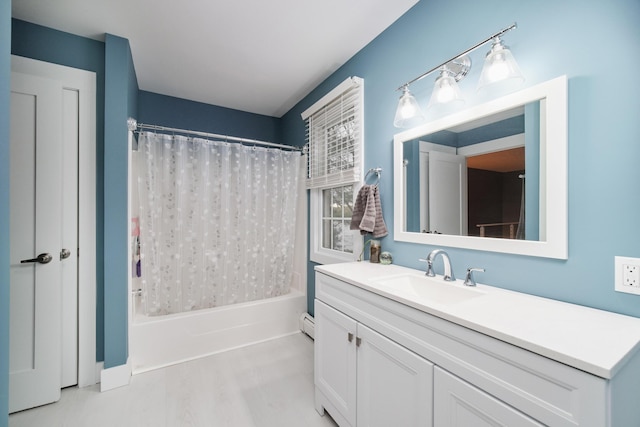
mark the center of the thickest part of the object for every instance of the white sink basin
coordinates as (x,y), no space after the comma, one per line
(433,289)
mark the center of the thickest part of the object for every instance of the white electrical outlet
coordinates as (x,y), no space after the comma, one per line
(627,275)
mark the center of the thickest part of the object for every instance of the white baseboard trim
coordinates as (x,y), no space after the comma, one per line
(98,374)
(118,376)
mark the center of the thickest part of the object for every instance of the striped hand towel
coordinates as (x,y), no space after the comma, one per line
(367,212)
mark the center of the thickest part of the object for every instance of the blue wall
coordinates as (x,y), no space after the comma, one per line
(121,102)
(412,173)
(5,75)
(180,113)
(579,38)
(532,168)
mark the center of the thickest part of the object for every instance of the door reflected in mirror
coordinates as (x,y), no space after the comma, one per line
(474,179)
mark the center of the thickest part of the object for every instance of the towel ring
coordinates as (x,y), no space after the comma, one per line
(377,171)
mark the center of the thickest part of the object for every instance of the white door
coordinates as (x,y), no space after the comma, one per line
(43,227)
(395,385)
(447,193)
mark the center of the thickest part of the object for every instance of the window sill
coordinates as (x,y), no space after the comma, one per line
(329,257)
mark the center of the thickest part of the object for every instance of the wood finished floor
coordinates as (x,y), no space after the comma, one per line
(263,385)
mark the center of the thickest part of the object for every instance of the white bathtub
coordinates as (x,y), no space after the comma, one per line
(161,341)
(155,342)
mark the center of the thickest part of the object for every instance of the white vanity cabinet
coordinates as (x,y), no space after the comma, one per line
(366,379)
(382,360)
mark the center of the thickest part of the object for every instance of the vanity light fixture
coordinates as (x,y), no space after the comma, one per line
(499,65)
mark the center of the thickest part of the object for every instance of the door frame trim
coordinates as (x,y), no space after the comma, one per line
(85,83)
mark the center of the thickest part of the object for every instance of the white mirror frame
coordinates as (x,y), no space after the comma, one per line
(553,174)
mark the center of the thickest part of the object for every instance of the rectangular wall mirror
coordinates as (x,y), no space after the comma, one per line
(492,177)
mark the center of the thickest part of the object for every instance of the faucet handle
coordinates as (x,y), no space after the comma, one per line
(469,280)
(430,272)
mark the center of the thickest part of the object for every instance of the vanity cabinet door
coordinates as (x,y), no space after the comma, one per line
(368,380)
(335,360)
(395,385)
(460,404)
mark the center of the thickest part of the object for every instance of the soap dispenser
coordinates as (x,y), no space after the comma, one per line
(374,251)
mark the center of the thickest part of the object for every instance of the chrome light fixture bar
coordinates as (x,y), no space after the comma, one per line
(499,65)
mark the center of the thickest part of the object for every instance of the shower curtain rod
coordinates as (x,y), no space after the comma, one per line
(134,126)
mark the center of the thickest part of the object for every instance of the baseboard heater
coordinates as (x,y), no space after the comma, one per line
(307,324)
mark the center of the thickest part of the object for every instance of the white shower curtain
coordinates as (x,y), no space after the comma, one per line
(217,222)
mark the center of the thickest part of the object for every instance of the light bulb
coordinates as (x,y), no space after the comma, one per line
(445,90)
(446,93)
(499,70)
(407,109)
(499,65)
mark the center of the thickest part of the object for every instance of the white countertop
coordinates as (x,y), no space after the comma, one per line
(595,341)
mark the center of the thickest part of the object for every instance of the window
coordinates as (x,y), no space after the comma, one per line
(337,205)
(334,137)
(331,240)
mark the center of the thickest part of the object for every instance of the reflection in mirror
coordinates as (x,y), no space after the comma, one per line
(469,179)
(492,177)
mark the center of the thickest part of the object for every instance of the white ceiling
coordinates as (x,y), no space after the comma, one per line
(252,55)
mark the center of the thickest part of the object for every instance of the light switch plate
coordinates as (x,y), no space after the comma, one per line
(627,275)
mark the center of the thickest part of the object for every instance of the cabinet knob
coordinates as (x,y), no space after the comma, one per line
(358,341)
(350,336)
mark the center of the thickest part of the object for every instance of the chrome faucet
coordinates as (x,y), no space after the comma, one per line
(448,271)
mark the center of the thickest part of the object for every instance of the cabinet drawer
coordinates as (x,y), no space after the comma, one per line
(546,390)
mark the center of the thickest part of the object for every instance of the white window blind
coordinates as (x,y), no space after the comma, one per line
(335,135)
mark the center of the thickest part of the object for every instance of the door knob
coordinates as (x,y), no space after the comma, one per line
(42,259)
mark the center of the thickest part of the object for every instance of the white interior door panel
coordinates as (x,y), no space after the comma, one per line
(35,228)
